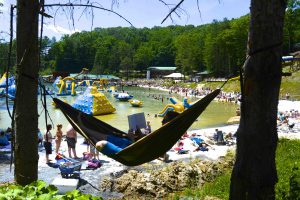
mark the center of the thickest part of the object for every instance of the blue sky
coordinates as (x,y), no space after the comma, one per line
(141,13)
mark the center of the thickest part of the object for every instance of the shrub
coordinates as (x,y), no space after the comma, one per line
(39,190)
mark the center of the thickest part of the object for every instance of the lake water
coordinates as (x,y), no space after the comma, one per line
(216,114)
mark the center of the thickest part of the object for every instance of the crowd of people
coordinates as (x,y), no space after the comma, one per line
(112,144)
(288,118)
(203,142)
(48,137)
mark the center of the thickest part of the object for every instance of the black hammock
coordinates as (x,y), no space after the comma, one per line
(149,147)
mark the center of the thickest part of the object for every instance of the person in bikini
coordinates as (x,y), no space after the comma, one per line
(58,137)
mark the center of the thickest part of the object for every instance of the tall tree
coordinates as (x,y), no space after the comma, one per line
(126,64)
(26,117)
(143,57)
(254,175)
(292,25)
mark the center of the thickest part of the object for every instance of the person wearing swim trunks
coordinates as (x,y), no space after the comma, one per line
(71,137)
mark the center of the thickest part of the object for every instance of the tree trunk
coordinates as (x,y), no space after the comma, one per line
(26,118)
(254,175)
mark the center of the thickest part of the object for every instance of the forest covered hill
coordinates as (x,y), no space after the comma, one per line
(219,47)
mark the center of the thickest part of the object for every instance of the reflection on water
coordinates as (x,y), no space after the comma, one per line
(216,114)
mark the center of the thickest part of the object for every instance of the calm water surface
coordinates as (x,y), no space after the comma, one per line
(216,114)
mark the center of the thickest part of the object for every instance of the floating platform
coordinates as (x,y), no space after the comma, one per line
(135,103)
(123,97)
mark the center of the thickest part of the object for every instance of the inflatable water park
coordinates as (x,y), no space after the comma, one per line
(93,102)
(11,89)
(177,106)
(65,86)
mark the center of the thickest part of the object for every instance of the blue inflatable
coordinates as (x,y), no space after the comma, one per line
(11,81)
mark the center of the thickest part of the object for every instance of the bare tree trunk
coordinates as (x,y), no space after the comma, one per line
(254,175)
(26,152)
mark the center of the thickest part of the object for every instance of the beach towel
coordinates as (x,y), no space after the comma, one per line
(148,148)
(197,140)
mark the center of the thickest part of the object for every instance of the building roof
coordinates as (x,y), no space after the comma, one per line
(174,75)
(162,68)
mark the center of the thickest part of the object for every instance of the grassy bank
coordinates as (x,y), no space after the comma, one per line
(287,155)
(289,84)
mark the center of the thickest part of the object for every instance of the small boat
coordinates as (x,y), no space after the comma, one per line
(135,103)
(123,97)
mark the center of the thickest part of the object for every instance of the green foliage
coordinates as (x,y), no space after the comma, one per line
(288,186)
(218,188)
(286,166)
(46,71)
(191,48)
(289,84)
(292,26)
(39,191)
(294,192)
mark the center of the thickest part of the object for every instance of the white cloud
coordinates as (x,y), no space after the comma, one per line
(60,30)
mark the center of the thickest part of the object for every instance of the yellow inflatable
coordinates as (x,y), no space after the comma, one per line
(135,103)
(174,107)
(3,77)
(63,86)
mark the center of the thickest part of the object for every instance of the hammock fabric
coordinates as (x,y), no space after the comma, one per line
(149,147)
